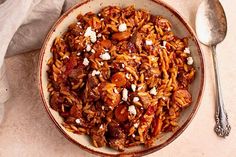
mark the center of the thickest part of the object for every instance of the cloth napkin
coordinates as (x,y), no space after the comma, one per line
(24,25)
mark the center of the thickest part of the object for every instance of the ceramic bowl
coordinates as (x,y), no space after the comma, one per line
(180,28)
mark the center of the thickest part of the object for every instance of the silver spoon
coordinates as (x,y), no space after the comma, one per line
(211,28)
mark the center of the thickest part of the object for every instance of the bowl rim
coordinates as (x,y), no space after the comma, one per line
(141,152)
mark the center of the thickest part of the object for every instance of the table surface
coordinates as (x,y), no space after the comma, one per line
(27,130)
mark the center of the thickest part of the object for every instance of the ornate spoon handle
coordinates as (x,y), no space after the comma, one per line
(222,127)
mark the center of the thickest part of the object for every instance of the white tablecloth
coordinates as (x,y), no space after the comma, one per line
(27,130)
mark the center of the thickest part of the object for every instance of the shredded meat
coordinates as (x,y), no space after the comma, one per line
(145,99)
(108,95)
(98,138)
(116,136)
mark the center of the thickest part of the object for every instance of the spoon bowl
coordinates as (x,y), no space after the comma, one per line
(211,23)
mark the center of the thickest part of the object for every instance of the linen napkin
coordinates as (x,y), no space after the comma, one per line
(24,25)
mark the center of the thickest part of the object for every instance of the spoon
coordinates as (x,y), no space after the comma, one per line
(211,28)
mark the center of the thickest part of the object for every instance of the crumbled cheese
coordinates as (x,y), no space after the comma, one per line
(169,29)
(95,72)
(93,51)
(189,60)
(133,87)
(123,65)
(132,110)
(88,47)
(101,63)
(102,19)
(133,135)
(136,125)
(99,14)
(153,91)
(78,54)
(136,99)
(78,23)
(187,50)
(101,126)
(90,33)
(127,76)
(122,27)
(116,91)
(99,35)
(125,94)
(105,56)
(134,57)
(77,121)
(164,45)
(103,107)
(148,42)
(86,62)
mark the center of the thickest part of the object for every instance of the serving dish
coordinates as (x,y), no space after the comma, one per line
(180,28)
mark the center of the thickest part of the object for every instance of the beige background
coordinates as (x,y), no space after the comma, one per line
(27,130)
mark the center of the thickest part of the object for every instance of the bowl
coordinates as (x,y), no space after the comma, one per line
(179,26)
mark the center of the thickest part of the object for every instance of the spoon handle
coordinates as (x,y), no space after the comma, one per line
(222,127)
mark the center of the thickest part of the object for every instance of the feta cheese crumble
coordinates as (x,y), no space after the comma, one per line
(78,54)
(133,87)
(86,62)
(88,47)
(132,110)
(136,99)
(95,72)
(103,107)
(187,50)
(164,45)
(190,61)
(153,91)
(90,33)
(127,76)
(105,56)
(148,42)
(116,91)
(99,35)
(125,94)
(122,27)
(123,66)
(93,51)
(77,121)
(136,125)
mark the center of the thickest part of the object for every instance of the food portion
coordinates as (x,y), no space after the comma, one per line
(121,76)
